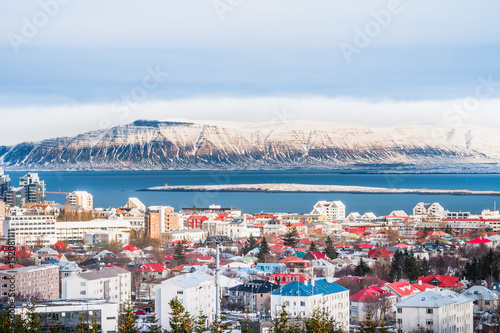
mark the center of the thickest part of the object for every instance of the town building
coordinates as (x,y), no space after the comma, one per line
(106,237)
(302,298)
(333,210)
(253,296)
(15,196)
(374,300)
(444,311)
(401,289)
(31,229)
(195,291)
(34,188)
(4,184)
(482,298)
(82,199)
(189,235)
(160,220)
(135,203)
(434,209)
(39,282)
(110,283)
(443,281)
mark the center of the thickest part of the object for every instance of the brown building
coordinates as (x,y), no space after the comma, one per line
(160,220)
(32,282)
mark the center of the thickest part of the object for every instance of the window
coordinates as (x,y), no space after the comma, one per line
(429,322)
(429,311)
(82,284)
(302,303)
(180,292)
(400,310)
(4,285)
(83,292)
(486,302)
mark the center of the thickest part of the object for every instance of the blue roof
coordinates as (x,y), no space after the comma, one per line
(321,287)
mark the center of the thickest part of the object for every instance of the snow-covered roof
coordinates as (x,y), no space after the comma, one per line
(431,299)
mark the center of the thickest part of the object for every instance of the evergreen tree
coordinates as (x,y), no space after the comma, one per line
(412,270)
(180,320)
(424,268)
(448,230)
(362,268)
(218,325)
(250,245)
(313,247)
(126,322)
(264,246)
(95,326)
(397,266)
(280,322)
(472,271)
(441,267)
(179,253)
(330,249)
(321,321)
(82,326)
(155,327)
(368,325)
(54,326)
(291,237)
(200,323)
(32,320)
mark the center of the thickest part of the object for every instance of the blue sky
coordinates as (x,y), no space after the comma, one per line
(81,59)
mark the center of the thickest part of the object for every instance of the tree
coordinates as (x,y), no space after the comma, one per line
(362,268)
(264,246)
(424,268)
(281,324)
(82,326)
(218,325)
(54,326)
(180,321)
(368,325)
(412,269)
(313,247)
(250,244)
(179,253)
(126,321)
(397,266)
(200,323)
(291,237)
(330,249)
(32,320)
(321,321)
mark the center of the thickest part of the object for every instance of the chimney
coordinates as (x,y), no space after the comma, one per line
(419,282)
(305,283)
(312,283)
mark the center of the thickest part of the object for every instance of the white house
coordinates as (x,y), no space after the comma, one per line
(109,283)
(443,312)
(333,210)
(483,298)
(301,298)
(196,292)
(423,208)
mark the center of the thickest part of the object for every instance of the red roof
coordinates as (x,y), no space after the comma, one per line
(205,258)
(479,240)
(423,286)
(131,248)
(317,255)
(380,252)
(370,294)
(61,246)
(443,281)
(168,257)
(366,246)
(403,288)
(11,266)
(152,267)
(287,278)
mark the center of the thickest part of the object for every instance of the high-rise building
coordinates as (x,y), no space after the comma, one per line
(16,196)
(160,220)
(4,184)
(34,188)
(80,198)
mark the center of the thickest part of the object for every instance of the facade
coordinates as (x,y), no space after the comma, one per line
(106,237)
(256,295)
(482,298)
(423,208)
(196,221)
(34,188)
(15,197)
(190,235)
(68,313)
(372,299)
(195,291)
(135,203)
(440,312)
(160,220)
(83,199)
(4,184)
(110,283)
(31,229)
(301,298)
(333,210)
(32,282)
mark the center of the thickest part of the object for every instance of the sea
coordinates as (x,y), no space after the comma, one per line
(113,188)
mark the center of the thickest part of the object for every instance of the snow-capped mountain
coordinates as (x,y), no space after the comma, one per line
(182,145)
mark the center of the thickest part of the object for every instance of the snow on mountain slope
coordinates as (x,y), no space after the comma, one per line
(183,145)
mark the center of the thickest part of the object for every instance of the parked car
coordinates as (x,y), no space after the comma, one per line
(148,310)
(140,312)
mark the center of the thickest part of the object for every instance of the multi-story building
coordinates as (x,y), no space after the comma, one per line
(160,220)
(16,196)
(374,300)
(483,298)
(34,187)
(333,210)
(255,296)
(31,229)
(196,292)
(190,235)
(4,184)
(196,221)
(68,313)
(83,199)
(110,283)
(106,237)
(443,311)
(434,209)
(135,203)
(302,298)
(32,282)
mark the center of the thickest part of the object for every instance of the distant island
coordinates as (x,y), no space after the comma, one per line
(310,188)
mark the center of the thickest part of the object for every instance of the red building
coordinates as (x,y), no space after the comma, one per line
(196,221)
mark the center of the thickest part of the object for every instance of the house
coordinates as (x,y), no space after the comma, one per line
(195,291)
(153,271)
(443,281)
(333,210)
(254,295)
(39,282)
(196,221)
(401,289)
(302,298)
(483,298)
(271,268)
(109,283)
(443,311)
(315,255)
(299,266)
(323,268)
(371,299)
(382,254)
(429,209)
(282,279)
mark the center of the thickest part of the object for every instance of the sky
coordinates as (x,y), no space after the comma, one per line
(69,66)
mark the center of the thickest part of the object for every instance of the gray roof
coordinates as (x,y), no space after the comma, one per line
(28,269)
(480,293)
(105,272)
(190,279)
(431,299)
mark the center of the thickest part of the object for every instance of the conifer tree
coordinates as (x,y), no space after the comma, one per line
(218,325)
(321,321)
(179,253)
(82,326)
(412,269)
(250,245)
(313,247)
(264,246)
(368,325)
(330,249)
(291,237)
(54,326)
(126,323)
(200,323)
(362,268)
(32,320)
(180,321)
(280,322)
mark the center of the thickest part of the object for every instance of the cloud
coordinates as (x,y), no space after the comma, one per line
(41,122)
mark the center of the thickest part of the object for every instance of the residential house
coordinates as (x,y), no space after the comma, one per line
(401,289)
(333,210)
(39,282)
(483,298)
(253,296)
(374,300)
(153,271)
(443,281)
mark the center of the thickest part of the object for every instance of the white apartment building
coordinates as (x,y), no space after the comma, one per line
(441,312)
(190,235)
(110,283)
(333,210)
(106,237)
(301,298)
(75,231)
(31,229)
(196,292)
(30,282)
(434,209)
(68,312)
(83,199)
